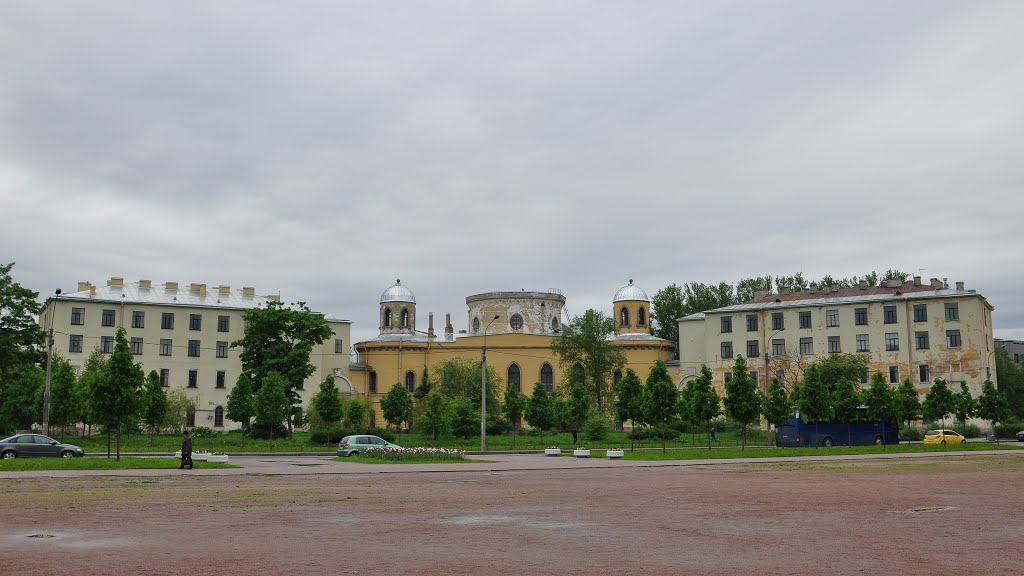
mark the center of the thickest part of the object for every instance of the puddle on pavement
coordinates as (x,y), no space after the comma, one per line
(922,509)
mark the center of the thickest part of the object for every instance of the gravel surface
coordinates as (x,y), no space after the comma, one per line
(957,515)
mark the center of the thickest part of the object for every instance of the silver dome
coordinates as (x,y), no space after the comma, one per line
(631,292)
(398,293)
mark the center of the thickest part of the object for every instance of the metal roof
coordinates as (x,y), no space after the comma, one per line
(398,293)
(825,301)
(630,292)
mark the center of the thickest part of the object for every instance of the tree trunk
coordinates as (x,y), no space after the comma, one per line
(108,442)
(707,429)
(118,441)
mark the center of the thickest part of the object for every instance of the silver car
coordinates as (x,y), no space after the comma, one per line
(34,445)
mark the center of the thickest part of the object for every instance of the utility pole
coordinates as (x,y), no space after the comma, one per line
(46,389)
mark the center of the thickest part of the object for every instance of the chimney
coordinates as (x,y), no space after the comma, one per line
(248,291)
(863,284)
(273,297)
(960,286)
(171,286)
(945,283)
(223,290)
(449,332)
(761,293)
(115,282)
(145,284)
(92,290)
(83,286)
(198,289)
(917,280)
(430,325)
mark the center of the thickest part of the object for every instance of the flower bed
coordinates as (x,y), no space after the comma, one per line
(552,451)
(414,454)
(581,453)
(613,454)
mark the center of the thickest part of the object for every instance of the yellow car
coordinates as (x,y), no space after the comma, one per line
(943,437)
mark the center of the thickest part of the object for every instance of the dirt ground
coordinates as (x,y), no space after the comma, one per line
(942,516)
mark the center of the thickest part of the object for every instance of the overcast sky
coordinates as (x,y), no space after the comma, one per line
(321,150)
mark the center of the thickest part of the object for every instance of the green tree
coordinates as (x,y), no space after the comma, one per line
(702,297)
(465,418)
(815,402)
(357,414)
(906,401)
(513,408)
(742,399)
(993,406)
(117,399)
(179,404)
(154,404)
(425,386)
(584,342)
(835,368)
(279,339)
(629,401)
(794,283)
(1010,376)
(94,370)
(539,410)
(327,403)
(938,402)
(845,401)
(460,378)
(776,407)
(667,307)
(63,400)
(437,415)
(20,390)
(664,398)
(747,288)
(271,404)
(964,405)
(241,406)
(579,406)
(880,399)
(21,351)
(396,405)
(704,402)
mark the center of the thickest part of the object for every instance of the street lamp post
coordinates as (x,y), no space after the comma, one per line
(483,389)
(766,349)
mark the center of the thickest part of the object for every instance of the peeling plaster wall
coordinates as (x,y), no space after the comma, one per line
(535,308)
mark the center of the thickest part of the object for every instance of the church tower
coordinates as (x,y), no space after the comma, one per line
(397,310)
(632,310)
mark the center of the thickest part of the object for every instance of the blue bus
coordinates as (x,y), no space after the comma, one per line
(795,432)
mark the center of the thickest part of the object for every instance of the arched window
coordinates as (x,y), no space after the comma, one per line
(617,377)
(554,324)
(624,316)
(516,322)
(190,417)
(410,381)
(547,377)
(373,382)
(405,318)
(218,417)
(641,317)
(387,317)
(513,377)
(476,325)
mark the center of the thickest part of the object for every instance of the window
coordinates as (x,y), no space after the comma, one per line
(751,322)
(547,377)
(190,417)
(753,376)
(223,323)
(641,317)
(726,323)
(137,346)
(167,321)
(221,377)
(921,340)
(405,317)
(920,312)
(78,316)
(805,319)
(195,321)
(726,378)
(889,314)
(75,343)
(193,378)
(778,347)
(832,318)
(193,348)
(387,320)
(476,325)
(138,319)
(222,349)
(892,341)
(624,317)
(165,347)
(953,338)
(410,381)
(833,345)
(554,324)
(752,349)
(513,378)
(894,374)
(806,346)
(516,322)
(106,344)
(726,349)
(107,318)
(339,346)
(778,323)
(617,377)
(780,376)
(860,316)
(165,377)
(862,343)
(923,369)
(218,417)
(864,375)
(373,382)
(952,311)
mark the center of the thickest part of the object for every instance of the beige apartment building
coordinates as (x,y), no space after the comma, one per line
(910,329)
(184,333)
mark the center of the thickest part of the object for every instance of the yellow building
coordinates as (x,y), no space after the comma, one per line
(517,327)
(184,333)
(908,330)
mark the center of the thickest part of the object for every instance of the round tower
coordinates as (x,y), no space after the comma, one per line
(398,310)
(632,310)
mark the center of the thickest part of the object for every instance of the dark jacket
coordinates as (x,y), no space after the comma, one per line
(186,446)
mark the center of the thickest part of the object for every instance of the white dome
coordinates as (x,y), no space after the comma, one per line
(630,292)
(398,293)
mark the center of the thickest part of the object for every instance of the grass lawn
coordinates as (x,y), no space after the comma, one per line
(126,463)
(764,452)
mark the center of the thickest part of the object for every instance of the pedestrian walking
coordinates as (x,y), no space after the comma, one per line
(713,437)
(186,451)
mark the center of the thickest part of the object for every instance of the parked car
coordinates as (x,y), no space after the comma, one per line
(943,437)
(1020,436)
(33,445)
(353,445)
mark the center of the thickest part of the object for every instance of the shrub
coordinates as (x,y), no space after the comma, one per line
(911,433)
(1008,430)
(202,432)
(498,426)
(596,427)
(972,431)
(328,436)
(384,433)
